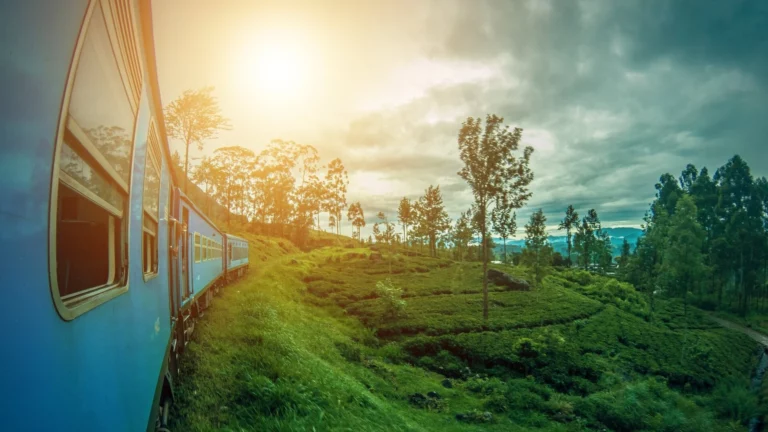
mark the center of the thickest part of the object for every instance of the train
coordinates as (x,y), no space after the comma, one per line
(105,264)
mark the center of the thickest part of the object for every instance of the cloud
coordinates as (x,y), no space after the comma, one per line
(610,94)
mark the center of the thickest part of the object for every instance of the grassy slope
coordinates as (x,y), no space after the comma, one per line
(286,349)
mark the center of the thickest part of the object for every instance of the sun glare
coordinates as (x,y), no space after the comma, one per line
(276,66)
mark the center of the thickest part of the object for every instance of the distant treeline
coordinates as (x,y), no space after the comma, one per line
(706,239)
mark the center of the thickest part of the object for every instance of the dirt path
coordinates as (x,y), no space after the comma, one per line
(759,337)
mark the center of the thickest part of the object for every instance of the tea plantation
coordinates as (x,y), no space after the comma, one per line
(306,342)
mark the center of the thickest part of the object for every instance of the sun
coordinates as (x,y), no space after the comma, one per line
(276,67)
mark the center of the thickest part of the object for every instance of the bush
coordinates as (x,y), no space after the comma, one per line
(647,405)
(391,298)
(733,400)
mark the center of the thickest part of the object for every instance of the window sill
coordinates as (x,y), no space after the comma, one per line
(69,310)
(149,276)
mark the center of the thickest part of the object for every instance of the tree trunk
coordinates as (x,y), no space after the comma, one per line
(485,272)
(505,250)
(186,166)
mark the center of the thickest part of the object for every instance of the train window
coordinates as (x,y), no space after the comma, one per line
(197,247)
(95,147)
(151,203)
(205,248)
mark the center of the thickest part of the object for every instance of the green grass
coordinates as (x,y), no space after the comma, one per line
(299,344)
(462,313)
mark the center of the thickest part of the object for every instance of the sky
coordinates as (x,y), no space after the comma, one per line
(611,94)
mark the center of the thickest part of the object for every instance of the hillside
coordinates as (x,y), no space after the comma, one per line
(304,343)
(560,244)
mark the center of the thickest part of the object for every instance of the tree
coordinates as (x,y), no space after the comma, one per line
(336,181)
(538,253)
(432,217)
(206,174)
(310,191)
(493,170)
(193,118)
(462,234)
(570,221)
(603,251)
(623,259)
(176,160)
(504,223)
(406,215)
(587,243)
(357,217)
(232,164)
(683,261)
(388,235)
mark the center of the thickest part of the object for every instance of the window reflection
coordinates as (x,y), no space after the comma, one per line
(99,103)
(73,165)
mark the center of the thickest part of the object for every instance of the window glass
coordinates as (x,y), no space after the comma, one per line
(86,236)
(149,241)
(94,172)
(76,168)
(99,103)
(151,203)
(152,189)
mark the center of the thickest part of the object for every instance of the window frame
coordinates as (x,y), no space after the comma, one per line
(150,158)
(198,253)
(119,17)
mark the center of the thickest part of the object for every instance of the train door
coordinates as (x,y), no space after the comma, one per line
(185,253)
(173,257)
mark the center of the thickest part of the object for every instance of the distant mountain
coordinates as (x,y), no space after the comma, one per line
(560,244)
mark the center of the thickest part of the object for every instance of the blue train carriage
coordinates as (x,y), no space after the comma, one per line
(84,210)
(237,256)
(202,254)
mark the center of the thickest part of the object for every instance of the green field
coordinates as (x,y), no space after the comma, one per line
(303,343)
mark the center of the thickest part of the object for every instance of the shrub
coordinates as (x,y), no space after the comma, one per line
(733,400)
(647,405)
(391,298)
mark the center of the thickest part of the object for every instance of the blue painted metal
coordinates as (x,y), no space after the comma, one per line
(98,371)
(239,242)
(204,273)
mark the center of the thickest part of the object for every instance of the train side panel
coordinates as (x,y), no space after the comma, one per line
(85,369)
(239,252)
(206,246)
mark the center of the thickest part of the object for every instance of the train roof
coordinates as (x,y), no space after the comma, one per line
(148,40)
(202,214)
(235,237)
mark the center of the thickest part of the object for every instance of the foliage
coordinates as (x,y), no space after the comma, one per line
(461,235)
(717,249)
(569,222)
(431,217)
(733,400)
(356,216)
(493,171)
(551,358)
(503,221)
(390,299)
(407,216)
(336,181)
(537,253)
(194,117)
